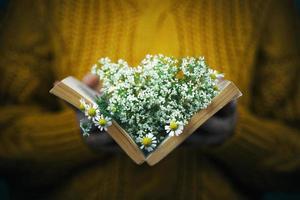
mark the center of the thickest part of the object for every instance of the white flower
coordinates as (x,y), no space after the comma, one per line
(94,69)
(148,142)
(91,110)
(144,98)
(82,105)
(102,122)
(174,128)
(85,126)
(216,75)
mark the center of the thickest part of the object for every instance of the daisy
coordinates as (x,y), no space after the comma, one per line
(85,126)
(216,75)
(174,128)
(102,122)
(91,111)
(148,142)
(82,105)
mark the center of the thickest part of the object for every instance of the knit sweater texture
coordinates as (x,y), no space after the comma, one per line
(253,42)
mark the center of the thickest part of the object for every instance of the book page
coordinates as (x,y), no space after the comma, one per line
(80,88)
(72,90)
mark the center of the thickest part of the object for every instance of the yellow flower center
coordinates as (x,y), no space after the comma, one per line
(180,75)
(147,141)
(81,107)
(216,88)
(92,112)
(213,76)
(102,122)
(173,125)
(113,109)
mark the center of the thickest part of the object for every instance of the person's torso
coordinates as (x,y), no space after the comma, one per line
(223,32)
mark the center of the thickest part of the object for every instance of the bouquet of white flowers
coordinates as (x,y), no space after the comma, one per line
(152,108)
(152,101)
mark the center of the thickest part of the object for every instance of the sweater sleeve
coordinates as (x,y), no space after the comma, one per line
(30,128)
(265,150)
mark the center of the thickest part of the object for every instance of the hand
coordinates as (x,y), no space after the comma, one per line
(213,132)
(97,141)
(217,129)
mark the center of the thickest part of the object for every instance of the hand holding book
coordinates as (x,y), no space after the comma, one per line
(152,108)
(97,142)
(214,131)
(217,129)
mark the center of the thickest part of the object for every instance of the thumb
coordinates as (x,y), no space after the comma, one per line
(91,80)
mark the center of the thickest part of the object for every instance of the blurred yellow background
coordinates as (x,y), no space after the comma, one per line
(255,43)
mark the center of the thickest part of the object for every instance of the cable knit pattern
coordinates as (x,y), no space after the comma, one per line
(252,42)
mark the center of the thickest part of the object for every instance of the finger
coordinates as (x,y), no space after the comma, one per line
(213,125)
(99,139)
(228,109)
(101,142)
(91,80)
(55,83)
(217,125)
(205,139)
(214,132)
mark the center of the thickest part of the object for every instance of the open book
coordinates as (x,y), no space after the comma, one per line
(72,90)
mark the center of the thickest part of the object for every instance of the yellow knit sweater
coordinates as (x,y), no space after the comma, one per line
(252,42)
